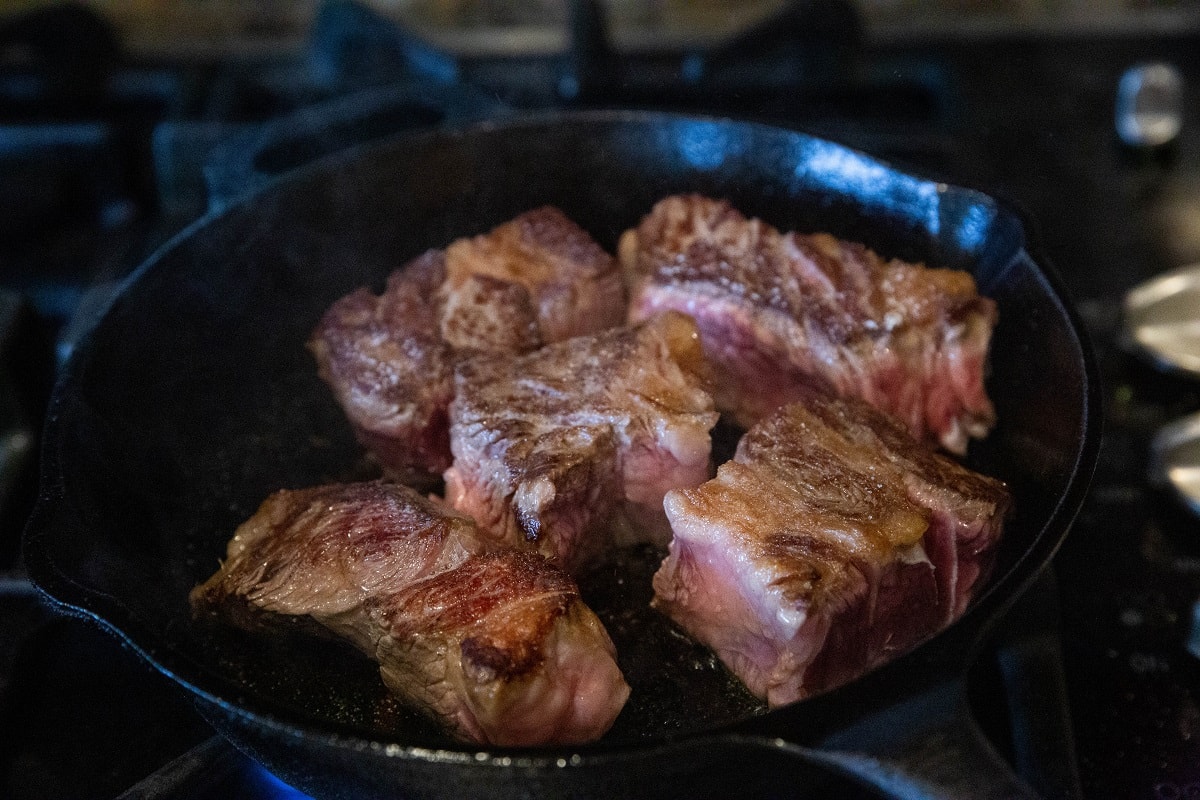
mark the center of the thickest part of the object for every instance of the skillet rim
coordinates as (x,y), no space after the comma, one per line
(963,635)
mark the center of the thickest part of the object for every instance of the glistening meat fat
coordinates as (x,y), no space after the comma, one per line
(548,446)
(494,644)
(390,358)
(781,311)
(832,542)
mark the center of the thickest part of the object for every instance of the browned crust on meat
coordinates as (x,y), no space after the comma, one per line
(870,428)
(389,369)
(555,379)
(811,566)
(489,315)
(495,645)
(333,546)
(537,246)
(778,311)
(574,284)
(501,606)
(698,240)
(545,443)
(849,465)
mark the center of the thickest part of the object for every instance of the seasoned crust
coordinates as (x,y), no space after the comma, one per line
(573,283)
(500,606)
(390,371)
(328,548)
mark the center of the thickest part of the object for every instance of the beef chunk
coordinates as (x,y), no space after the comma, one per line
(390,359)
(391,370)
(830,543)
(495,645)
(549,445)
(779,312)
(575,286)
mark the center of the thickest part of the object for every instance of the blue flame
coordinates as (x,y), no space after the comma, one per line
(268,786)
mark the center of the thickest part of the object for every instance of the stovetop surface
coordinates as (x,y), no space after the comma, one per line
(1030,120)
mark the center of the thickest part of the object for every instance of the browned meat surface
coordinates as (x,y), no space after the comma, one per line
(967,508)
(390,369)
(781,311)
(496,645)
(390,359)
(548,445)
(536,664)
(486,314)
(830,543)
(575,286)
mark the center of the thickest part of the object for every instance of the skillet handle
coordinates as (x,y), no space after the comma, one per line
(250,159)
(927,747)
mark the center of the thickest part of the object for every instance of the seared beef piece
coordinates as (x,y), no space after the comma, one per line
(390,359)
(486,314)
(778,312)
(390,369)
(576,287)
(830,543)
(548,445)
(495,645)
(967,508)
(535,664)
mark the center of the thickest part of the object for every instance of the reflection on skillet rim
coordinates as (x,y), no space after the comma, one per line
(704,148)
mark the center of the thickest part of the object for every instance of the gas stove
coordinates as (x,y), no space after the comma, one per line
(1086,688)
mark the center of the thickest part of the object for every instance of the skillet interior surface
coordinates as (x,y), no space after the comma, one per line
(194,397)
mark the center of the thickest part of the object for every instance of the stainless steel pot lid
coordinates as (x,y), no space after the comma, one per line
(1162,319)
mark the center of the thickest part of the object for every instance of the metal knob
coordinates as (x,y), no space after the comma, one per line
(1162,320)
(1193,638)
(1175,460)
(1149,110)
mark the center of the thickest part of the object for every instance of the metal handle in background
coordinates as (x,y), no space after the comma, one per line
(250,159)
(1031,660)
(927,747)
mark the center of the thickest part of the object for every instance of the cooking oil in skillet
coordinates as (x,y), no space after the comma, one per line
(678,685)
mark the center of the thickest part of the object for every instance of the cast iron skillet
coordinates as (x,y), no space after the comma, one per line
(193,398)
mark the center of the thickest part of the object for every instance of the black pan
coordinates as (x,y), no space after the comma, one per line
(193,398)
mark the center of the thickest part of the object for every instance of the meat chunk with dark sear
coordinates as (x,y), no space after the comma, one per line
(390,369)
(781,311)
(549,445)
(832,542)
(575,286)
(485,314)
(496,645)
(535,664)
(390,358)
